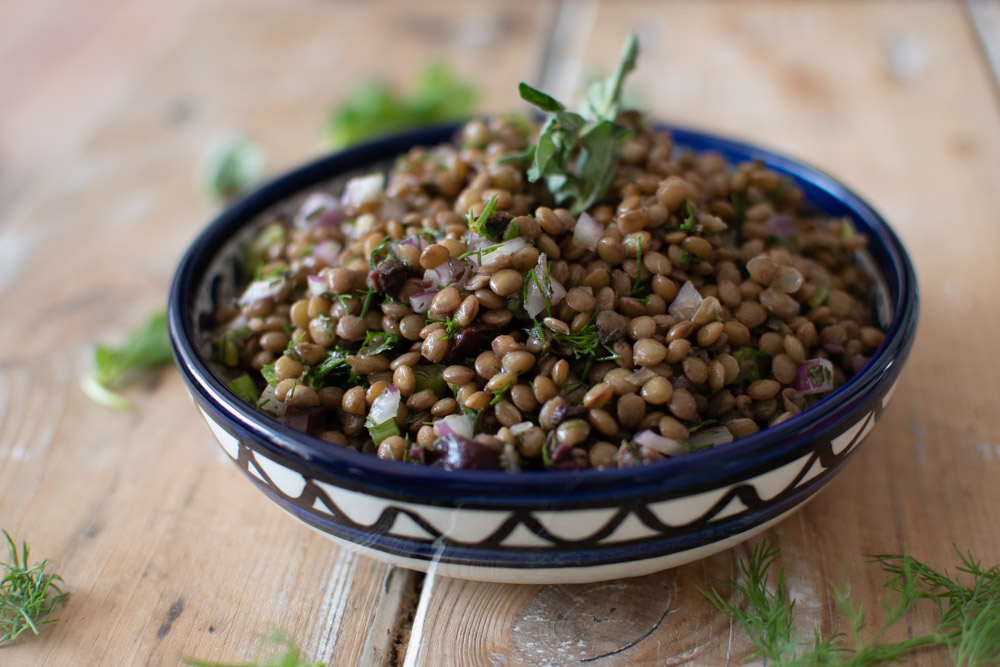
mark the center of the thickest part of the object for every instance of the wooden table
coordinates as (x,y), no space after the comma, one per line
(168,552)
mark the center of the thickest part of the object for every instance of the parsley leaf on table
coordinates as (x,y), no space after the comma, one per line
(147,347)
(231,164)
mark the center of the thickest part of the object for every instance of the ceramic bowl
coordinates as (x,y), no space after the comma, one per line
(540,527)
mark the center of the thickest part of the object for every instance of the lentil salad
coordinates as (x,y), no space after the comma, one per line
(462,311)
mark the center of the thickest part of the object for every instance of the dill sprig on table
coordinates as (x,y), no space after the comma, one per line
(27,594)
(968,622)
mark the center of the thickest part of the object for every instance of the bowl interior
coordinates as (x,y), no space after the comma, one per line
(209,273)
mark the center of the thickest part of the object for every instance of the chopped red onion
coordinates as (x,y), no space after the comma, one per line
(658,443)
(421,301)
(518,429)
(711,436)
(551,290)
(475,241)
(363,190)
(270,404)
(320,211)
(317,285)
(455,272)
(327,251)
(814,376)
(261,289)
(781,225)
(461,425)
(304,421)
(686,303)
(587,232)
(385,406)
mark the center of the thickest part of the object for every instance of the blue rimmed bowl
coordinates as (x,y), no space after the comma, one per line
(540,527)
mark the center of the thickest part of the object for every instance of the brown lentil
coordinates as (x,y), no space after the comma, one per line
(754,294)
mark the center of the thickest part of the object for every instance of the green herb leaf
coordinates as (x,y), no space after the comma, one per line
(377,342)
(231,165)
(968,622)
(380,432)
(244,387)
(754,364)
(376,109)
(27,594)
(285,653)
(147,347)
(603,97)
(270,375)
(691,223)
(537,98)
(485,225)
(576,155)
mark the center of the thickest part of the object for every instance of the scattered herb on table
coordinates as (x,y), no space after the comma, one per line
(146,347)
(376,109)
(285,653)
(575,153)
(968,615)
(231,164)
(27,594)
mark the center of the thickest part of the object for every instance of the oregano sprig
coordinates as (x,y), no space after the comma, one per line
(575,153)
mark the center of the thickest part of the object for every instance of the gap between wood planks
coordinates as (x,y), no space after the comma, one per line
(984,15)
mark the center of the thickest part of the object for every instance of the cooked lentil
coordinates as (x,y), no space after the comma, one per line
(701,294)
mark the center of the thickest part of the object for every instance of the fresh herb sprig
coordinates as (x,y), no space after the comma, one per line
(376,109)
(484,225)
(147,347)
(231,164)
(27,594)
(968,615)
(575,153)
(284,652)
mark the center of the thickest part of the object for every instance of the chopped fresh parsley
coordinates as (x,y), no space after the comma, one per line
(377,342)
(226,348)
(754,364)
(145,348)
(487,224)
(270,375)
(691,223)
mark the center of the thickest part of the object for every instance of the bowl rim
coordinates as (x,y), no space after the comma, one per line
(762,450)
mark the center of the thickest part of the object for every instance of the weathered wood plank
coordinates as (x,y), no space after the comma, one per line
(167,551)
(869,92)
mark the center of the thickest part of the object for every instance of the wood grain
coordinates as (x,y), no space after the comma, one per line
(823,81)
(167,550)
